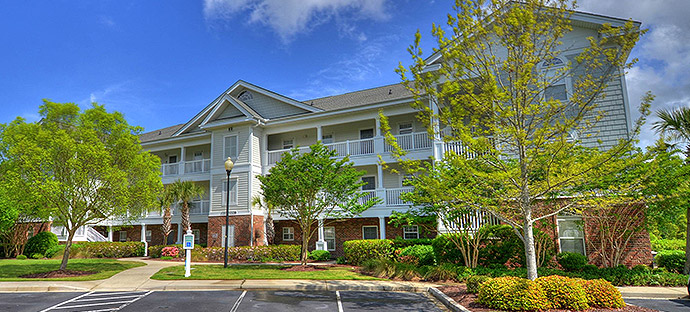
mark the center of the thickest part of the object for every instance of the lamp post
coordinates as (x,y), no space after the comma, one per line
(228,169)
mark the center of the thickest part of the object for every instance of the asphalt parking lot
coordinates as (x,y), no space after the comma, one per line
(662,304)
(218,301)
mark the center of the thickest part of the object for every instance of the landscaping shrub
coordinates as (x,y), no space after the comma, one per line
(21,257)
(602,294)
(443,272)
(386,268)
(423,253)
(500,246)
(110,249)
(320,255)
(166,258)
(357,251)
(668,244)
(571,261)
(53,250)
(253,253)
(563,292)
(37,256)
(40,243)
(474,281)
(513,294)
(399,242)
(170,251)
(340,260)
(445,250)
(672,260)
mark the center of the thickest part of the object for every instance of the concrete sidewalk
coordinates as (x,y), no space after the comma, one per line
(138,279)
(642,292)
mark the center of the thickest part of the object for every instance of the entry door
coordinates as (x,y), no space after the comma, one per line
(231,236)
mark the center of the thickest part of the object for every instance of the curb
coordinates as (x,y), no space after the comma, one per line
(447,301)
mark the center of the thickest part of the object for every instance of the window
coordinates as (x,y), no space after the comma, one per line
(198,155)
(557,92)
(230,240)
(197,235)
(410,232)
(329,236)
(370,232)
(405,128)
(327,139)
(370,183)
(288,144)
(288,233)
(123,236)
(233,192)
(148,235)
(366,134)
(172,159)
(245,96)
(571,237)
(553,62)
(230,147)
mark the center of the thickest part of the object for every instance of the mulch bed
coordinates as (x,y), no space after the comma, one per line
(59,273)
(460,295)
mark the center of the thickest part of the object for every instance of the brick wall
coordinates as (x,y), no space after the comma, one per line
(134,233)
(242,230)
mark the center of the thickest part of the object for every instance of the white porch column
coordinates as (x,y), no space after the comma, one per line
(382,227)
(378,125)
(179,233)
(321,243)
(110,233)
(378,138)
(379,176)
(264,154)
(143,239)
(182,160)
(319,133)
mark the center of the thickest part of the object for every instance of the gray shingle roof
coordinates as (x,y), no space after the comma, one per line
(361,98)
(159,134)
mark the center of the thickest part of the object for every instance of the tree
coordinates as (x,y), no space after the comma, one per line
(311,186)
(185,191)
(492,89)
(268,223)
(165,200)
(82,167)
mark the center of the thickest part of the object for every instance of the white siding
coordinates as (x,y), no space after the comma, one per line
(242,190)
(242,133)
(268,107)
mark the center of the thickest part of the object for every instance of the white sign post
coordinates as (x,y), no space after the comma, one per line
(188,245)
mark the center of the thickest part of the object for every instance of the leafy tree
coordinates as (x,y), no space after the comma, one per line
(185,191)
(165,200)
(81,167)
(311,186)
(490,88)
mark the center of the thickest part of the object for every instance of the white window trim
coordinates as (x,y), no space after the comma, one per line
(233,199)
(291,231)
(119,238)
(148,235)
(415,232)
(359,132)
(237,147)
(328,247)
(371,226)
(558,232)
(406,122)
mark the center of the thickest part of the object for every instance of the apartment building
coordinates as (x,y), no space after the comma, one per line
(255,126)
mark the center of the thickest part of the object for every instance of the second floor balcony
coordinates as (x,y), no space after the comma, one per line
(186,167)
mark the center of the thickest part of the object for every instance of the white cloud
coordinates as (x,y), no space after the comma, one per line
(664,52)
(288,18)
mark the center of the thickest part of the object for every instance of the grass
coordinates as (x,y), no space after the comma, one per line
(12,269)
(240,272)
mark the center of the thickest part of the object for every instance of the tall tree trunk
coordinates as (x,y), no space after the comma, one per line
(530,252)
(306,230)
(167,225)
(270,229)
(186,225)
(68,246)
(686,270)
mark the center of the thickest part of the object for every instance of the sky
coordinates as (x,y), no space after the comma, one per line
(161,62)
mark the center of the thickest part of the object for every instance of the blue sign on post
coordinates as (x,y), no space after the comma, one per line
(188,241)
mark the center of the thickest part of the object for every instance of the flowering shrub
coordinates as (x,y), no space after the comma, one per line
(512,293)
(254,253)
(356,251)
(170,252)
(602,294)
(473,282)
(563,292)
(109,249)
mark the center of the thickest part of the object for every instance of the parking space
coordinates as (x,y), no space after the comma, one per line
(233,301)
(664,305)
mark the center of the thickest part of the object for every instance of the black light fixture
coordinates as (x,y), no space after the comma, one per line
(228,169)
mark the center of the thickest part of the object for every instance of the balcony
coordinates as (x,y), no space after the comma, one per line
(196,207)
(390,196)
(190,167)
(411,142)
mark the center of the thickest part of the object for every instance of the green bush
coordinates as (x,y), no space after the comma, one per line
(571,261)
(340,260)
(357,251)
(110,249)
(445,250)
(399,242)
(40,243)
(513,294)
(37,256)
(563,292)
(500,246)
(21,257)
(672,260)
(423,253)
(166,258)
(386,268)
(602,294)
(443,272)
(53,250)
(320,255)
(473,282)
(668,244)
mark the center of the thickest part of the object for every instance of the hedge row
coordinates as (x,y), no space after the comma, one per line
(672,260)
(109,249)
(241,253)
(668,244)
(358,251)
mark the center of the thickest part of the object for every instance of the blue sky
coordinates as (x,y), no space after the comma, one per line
(160,62)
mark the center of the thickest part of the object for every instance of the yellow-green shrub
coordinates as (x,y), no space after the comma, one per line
(473,282)
(513,294)
(602,294)
(358,251)
(563,292)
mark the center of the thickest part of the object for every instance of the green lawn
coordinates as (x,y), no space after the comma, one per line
(239,272)
(12,269)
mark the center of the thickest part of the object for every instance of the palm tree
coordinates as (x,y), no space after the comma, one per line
(185,191)
(675,125)
(165,199)
(270,230)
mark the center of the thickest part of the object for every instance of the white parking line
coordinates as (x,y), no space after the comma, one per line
(66,302)
(237,303)
(340,302)
(87,300)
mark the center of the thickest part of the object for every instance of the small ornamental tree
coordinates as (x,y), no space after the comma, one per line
(185,192)
(312,186)
(491,85)
(83,167)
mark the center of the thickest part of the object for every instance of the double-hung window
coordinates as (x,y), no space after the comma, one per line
(123,236)
(288,144)
(230,147)
(571,237)
(405,127)
(288,233)
(370,232)
(148,235)
(410,232)
(329,237)
(233,192)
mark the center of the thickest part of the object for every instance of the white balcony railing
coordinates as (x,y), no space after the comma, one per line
(368,194)
(196,207)
(412,141)
(393,196)
(194,166)
(277,155)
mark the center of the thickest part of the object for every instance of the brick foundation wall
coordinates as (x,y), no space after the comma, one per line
(134,233)
(242,230)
